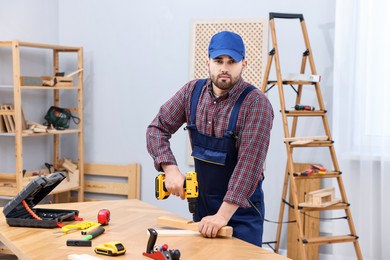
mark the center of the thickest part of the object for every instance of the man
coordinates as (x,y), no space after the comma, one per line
(229,123)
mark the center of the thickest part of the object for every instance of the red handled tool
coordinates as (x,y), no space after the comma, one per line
(159,252)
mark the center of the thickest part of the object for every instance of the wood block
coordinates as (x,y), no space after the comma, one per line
(69,165)
(320,198)
(182,223)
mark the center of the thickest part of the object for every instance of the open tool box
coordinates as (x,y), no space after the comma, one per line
(20,210)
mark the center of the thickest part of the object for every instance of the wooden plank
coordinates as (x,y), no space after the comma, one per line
(106,187)
(11,118)
(6,118)
(108,170)
(182,223)
(176,232)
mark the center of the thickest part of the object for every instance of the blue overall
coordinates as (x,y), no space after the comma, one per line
(215,160)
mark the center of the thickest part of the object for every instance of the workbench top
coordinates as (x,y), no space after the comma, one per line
(129,221)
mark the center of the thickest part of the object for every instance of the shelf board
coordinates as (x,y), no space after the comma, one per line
(49,88)
(42,46)
(53,132)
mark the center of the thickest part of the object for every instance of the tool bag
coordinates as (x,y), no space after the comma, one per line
(21,210)
(59,118)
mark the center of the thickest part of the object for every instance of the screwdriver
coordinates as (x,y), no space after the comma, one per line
(94,234)
(304,107)
(85,241)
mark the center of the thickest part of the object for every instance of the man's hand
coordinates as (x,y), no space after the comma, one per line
(174,180)
(210,225)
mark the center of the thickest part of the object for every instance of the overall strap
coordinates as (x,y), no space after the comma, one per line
(195,98)
(236,110)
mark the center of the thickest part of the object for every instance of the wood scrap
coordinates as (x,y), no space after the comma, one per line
(69,166)
(37,127)
(182,223)
(320,198)
(176,232)
(50,82)
(73,73)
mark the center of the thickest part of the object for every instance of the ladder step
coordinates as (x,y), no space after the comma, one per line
(330,239)
(293,82)
(339,206)
(313,144)
(291,113)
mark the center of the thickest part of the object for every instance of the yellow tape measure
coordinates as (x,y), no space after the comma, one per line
(80,226)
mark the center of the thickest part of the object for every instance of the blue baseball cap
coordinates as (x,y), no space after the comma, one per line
(227,43)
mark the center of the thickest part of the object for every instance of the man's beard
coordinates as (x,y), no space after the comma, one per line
(224,84)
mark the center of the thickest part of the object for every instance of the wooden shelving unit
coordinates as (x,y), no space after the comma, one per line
(12,183)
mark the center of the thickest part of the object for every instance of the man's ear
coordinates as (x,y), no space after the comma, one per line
(208,62)
(244,63)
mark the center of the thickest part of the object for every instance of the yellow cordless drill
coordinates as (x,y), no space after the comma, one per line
(190,189)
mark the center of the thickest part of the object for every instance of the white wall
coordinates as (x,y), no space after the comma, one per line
(29,21)
(137,56)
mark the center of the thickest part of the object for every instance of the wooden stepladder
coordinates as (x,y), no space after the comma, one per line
(322,199)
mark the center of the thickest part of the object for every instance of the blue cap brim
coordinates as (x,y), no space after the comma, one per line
(233,54)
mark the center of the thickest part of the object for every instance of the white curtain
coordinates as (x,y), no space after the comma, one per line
(361,123)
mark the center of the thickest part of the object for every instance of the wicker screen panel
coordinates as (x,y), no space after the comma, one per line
(254,33)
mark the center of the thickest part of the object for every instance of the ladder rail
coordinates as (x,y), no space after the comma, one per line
(294,194)
(281,210)
(299,95)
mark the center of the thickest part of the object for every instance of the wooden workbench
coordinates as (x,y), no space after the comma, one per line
(129,222)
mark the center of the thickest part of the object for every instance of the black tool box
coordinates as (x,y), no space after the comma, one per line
(17,215)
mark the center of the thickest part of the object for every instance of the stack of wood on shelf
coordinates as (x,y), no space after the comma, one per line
(7,119)
(58,80)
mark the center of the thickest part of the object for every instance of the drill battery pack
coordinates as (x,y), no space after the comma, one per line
(21,211)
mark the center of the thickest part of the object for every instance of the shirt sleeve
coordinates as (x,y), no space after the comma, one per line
(252,144)
(171,116)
